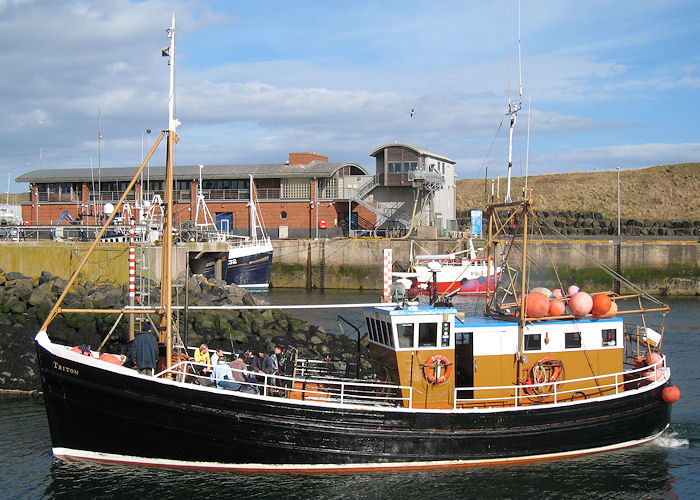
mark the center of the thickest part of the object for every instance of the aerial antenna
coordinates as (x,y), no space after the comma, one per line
(99,160)
(173,123)
(513,112)
(527,147)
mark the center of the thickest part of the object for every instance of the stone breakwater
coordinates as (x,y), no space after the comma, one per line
(570,223)
(26,301)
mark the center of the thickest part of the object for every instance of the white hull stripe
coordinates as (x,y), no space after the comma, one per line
(80,455)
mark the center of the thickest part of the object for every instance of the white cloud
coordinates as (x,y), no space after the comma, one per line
(254,82)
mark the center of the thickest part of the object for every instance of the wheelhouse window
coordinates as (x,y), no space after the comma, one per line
(572,340)
(533,342)
(369,328)
(373,331)
(385,333)
(405,334)
(609,337)
(427,335)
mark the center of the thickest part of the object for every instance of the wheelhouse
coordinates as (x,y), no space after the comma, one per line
(444,355)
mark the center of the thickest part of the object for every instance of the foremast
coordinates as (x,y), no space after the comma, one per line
(166,296)
(518,215)
(165,309)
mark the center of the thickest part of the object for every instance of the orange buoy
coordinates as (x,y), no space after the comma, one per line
(601,304)
(536,305)
(611,312)
(557,293)
(556,307)
(580,304)
(671,394)
(653,358)
(573,290)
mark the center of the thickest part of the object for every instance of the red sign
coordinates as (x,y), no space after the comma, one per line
(323,224)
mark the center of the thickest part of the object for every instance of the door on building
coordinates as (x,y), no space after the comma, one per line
(224,221)
(353,221)
(464,363)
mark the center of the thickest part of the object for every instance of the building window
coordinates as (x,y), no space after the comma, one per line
(427,335)
(609,337)
(299,189)
(283,214)
(405,333)
(533,342)
(572,340)
(328,188)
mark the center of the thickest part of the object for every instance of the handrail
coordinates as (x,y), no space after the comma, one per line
(339,391)
(336,391)
(659,371)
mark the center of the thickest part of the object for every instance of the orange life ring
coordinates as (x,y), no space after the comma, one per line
(432,368)
(539,370)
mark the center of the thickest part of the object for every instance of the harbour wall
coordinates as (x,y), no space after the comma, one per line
(659,266)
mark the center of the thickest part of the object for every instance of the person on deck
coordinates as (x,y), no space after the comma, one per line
(201,356)
(263,363)
(223,375)
(145,350)
(215,357)
(239,367)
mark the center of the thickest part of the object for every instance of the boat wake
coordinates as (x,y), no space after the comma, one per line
(672,440)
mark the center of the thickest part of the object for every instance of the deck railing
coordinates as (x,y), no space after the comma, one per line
(564,390)
(345,391)
(308,389)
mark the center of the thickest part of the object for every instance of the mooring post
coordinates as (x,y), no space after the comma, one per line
(308,267)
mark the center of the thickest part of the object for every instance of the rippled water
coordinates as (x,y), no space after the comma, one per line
(666,468)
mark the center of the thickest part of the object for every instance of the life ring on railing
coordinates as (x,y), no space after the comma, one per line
(432,369)
(546,370)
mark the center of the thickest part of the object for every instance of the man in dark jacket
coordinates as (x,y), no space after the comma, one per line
(146,350)
(262,363)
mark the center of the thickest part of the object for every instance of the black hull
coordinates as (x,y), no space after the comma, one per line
(248,271)
(132,419)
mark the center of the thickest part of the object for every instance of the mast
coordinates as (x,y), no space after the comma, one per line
(253,222)
(513,113)
(166,297)
(525,208)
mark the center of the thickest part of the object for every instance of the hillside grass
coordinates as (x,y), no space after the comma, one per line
(666,192)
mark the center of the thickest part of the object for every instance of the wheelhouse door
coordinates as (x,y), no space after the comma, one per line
(464,363)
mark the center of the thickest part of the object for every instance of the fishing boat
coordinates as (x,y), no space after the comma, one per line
(518,383)
(459,273)
(248,260)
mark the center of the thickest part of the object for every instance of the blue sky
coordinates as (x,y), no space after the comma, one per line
(610,83)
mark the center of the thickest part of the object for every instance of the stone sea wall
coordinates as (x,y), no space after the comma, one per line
(26,301)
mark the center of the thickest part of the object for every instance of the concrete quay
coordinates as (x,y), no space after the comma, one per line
(670,266)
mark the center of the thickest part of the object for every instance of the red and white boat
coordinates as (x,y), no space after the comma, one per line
(460,273)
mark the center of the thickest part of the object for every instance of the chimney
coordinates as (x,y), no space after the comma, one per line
(304,158)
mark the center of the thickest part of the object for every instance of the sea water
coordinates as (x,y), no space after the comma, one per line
(669,467)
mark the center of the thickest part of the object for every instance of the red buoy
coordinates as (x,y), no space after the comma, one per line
(671,394)
(601,304)
(556,307)
(536,305)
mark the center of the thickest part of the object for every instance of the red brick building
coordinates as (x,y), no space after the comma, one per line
(306,197)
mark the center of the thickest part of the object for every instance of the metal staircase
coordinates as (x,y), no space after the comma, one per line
(429,182)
